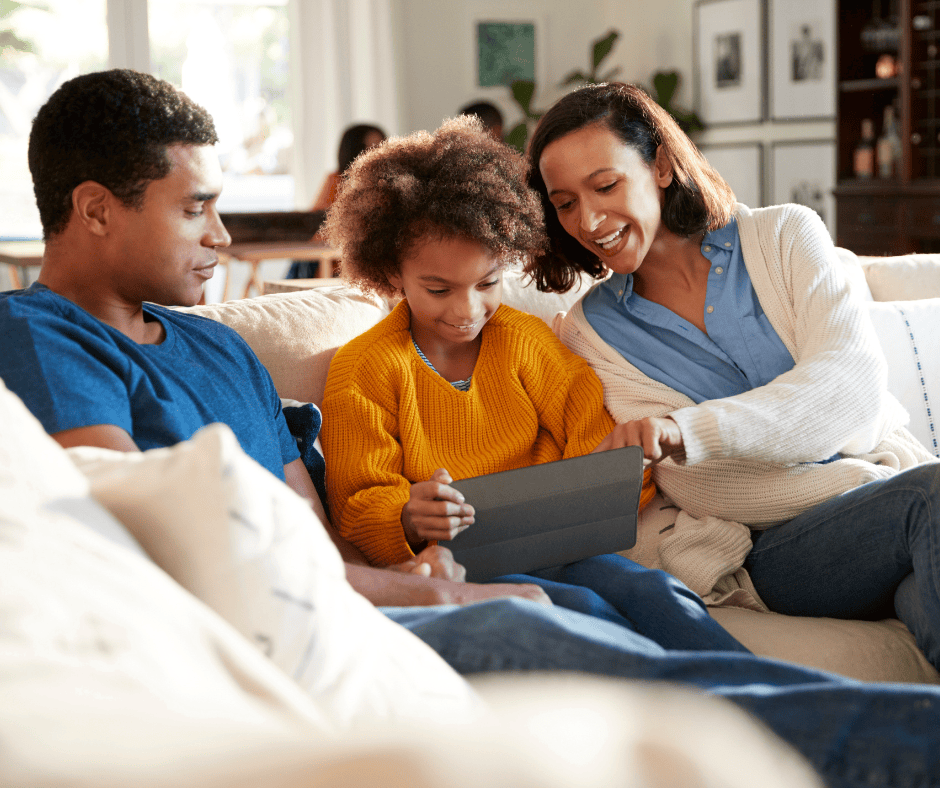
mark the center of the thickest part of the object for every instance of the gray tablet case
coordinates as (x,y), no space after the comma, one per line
(550,514)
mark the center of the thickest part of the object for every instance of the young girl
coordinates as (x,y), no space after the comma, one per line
(452,383)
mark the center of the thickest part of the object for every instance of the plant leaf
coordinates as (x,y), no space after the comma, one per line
(575,76)
(517,137)
(666,83)
(602,47)
(522,91)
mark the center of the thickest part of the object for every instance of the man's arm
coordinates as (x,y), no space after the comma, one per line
(408,585)
(106,436)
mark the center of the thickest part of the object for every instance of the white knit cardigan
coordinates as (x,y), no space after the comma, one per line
(754,458)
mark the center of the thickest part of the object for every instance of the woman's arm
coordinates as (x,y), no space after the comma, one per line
(835,398)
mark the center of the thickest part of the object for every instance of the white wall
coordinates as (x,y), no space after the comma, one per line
(436,58)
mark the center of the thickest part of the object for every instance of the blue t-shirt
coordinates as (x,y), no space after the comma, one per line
(72,371)
(740,352)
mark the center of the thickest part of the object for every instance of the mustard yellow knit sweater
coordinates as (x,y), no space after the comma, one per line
(389,420)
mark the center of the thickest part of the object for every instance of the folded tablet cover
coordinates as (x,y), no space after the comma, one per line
(550,514)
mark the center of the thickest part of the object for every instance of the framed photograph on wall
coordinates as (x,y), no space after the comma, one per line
(742,166)
(802,60)
(505,52)
(805,172)
(729,61)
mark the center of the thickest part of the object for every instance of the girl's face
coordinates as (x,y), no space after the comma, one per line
(453,286)
(605,195)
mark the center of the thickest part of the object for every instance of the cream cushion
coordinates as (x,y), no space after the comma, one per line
(904,277)
(296,334)
(244,543)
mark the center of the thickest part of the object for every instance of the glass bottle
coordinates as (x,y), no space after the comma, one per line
(863,160)
(888,147)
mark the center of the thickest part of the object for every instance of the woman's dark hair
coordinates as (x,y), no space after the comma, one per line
(353,142)
(696,201)
(458,182)
(111,127)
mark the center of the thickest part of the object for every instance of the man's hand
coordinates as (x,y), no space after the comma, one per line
(658,437)
(435,510)
(434,561)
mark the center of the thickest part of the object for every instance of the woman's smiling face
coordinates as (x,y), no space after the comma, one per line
(605,195)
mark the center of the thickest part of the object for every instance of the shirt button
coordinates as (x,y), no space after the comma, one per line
(706,248)
(719,270)
(620,293)
(710,309)
(728,244)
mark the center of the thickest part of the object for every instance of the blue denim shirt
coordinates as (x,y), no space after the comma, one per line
(740,352)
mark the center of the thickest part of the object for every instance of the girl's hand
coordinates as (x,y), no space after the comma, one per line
(435,510)
(658,437)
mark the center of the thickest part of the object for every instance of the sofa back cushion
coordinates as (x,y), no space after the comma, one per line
(296,334)
(904,277)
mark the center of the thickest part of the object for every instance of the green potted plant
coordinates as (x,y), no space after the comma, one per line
(663,91)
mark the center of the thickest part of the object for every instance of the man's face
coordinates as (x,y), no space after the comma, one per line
(167,248)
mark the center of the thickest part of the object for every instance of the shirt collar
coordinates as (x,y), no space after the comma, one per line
(620,286)
(724,239)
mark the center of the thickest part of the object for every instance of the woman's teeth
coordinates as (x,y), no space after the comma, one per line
(608,241)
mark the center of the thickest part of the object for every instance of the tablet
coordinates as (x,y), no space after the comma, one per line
(550,514)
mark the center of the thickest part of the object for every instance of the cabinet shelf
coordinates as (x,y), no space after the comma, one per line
(898,215)
(869,85)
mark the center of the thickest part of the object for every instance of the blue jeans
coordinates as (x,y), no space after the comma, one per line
(854,734)
(871,553)
(646,601)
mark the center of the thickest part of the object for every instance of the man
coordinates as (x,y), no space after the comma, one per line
(127,185)
(490,114)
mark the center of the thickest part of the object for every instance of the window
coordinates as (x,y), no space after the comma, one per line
(232,58)
(46,43)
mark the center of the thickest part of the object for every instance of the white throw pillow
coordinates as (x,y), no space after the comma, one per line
(243,542)
(903,278)
(908,332)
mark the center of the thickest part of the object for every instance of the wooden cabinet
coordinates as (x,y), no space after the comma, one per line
(889,55)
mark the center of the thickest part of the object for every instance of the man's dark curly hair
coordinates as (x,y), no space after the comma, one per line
(455,183)
(111,127)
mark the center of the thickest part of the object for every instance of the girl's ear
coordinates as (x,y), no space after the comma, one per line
(395,281)
(662,169)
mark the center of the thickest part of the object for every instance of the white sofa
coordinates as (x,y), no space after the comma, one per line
(296,334)
(178,618)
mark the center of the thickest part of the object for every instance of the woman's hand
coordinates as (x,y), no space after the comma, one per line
(435,510)
(658,437)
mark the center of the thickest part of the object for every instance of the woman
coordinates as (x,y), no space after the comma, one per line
(731,349)
(354,141)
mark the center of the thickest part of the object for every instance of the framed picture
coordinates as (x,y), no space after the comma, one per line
(729,61)
(505,52)
(805,173)
(742,166)
(802,59)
